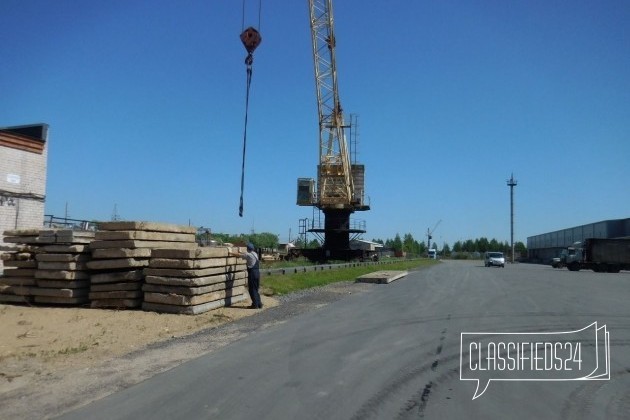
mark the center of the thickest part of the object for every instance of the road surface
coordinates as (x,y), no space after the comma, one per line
(393,352)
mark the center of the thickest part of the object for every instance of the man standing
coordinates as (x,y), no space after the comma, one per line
(253,274)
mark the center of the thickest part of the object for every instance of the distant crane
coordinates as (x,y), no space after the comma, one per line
(430,233)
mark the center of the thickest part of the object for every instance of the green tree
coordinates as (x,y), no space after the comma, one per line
(397,244)
(408,245)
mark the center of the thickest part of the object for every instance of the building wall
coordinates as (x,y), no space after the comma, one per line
(23,181)
(544,247)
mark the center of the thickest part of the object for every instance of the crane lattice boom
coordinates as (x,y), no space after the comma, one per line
(335,182)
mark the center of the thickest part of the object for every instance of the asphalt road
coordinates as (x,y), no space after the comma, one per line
(393,351)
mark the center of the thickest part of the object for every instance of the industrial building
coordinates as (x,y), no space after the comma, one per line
(23,160)
(542,248)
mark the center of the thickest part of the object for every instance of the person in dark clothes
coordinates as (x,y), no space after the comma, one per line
(253,274)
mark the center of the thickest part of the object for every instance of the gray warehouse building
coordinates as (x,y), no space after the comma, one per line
(542,248)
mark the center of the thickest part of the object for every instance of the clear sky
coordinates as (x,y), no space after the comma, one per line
(145,102)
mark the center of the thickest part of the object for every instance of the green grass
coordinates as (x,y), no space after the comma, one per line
(278,284)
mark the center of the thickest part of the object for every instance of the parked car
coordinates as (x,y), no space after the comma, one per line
(494,259)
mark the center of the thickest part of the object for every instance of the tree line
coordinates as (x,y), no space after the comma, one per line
(411,246)
(407,243)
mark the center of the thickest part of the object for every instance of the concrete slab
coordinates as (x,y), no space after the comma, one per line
(110,287)
(108,253)
(61,300)
(40,291)
(149,226)
(117,294)
(117,263)
(134,243)
(382,277)
(171,272)
(193,291)
(183,300)
(144,235)
(115,277)
(18,281)
(15,299)
(63,284)
(62,257)
(65,249)
(61,275)
(199,252)
(21,264)
(71,266)
(189,264)
(193,309)
(196,281)
(19,272)
(116,303)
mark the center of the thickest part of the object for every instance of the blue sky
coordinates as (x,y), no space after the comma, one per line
(145,102)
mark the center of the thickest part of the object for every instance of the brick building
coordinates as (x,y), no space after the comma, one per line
(23,158)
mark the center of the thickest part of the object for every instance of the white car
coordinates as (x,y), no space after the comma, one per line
(494,258)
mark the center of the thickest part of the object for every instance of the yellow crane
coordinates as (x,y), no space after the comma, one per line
(339,190)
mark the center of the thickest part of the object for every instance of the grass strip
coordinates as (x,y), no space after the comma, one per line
(279,284)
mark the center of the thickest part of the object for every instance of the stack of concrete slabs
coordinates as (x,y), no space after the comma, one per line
(120,252)
(19,261)
(193,281)
(62,275)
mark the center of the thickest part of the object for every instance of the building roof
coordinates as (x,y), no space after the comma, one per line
(30,138)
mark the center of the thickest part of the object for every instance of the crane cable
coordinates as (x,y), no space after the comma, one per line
(250,38)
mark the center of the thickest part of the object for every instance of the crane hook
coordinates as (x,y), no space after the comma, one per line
(251,39)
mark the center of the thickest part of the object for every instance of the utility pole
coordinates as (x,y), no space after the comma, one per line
(512,183)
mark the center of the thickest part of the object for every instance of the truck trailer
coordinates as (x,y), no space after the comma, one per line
(598,254)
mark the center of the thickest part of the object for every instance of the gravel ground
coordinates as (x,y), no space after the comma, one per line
(65,390)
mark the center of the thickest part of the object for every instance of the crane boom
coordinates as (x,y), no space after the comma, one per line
(335,181)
